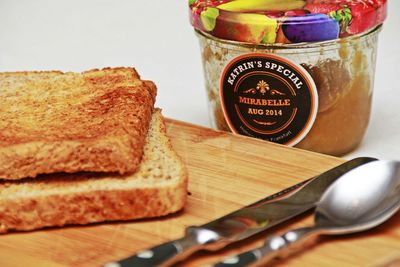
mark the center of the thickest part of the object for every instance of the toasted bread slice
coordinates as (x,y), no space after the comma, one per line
(159,187)
(69,122)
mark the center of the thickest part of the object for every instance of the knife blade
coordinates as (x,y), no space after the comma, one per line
(242,223)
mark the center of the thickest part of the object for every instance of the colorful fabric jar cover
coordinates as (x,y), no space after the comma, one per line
(286,21)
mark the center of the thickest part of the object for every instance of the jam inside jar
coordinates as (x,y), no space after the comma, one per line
(311,91)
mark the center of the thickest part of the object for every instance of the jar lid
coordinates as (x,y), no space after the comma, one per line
(286,21)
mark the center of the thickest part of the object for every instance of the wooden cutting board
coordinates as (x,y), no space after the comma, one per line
(226,172)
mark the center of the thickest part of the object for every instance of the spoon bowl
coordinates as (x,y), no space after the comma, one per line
(361,199)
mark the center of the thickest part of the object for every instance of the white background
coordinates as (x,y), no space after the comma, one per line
(155,37)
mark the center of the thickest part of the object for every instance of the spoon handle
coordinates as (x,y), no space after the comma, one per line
(276,246)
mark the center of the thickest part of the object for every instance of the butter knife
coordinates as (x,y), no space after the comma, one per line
(242,223)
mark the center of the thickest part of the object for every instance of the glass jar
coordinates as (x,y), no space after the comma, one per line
(343,71)
(314,95)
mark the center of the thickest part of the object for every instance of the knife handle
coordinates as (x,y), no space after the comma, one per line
(168,253)
(151,257)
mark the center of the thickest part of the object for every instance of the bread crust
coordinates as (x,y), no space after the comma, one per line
(68,122)
(91,207)
(82,198)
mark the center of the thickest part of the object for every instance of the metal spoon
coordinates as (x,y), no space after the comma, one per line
(361,199)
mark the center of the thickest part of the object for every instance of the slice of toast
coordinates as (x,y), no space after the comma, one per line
(69,122)
(159,187)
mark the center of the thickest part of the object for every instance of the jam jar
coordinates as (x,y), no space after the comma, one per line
(294,72)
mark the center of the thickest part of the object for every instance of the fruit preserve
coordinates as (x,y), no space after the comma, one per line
(294,72)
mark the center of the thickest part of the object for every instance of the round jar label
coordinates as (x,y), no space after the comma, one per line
(268,97)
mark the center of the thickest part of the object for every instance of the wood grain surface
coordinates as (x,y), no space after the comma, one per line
(226,172)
